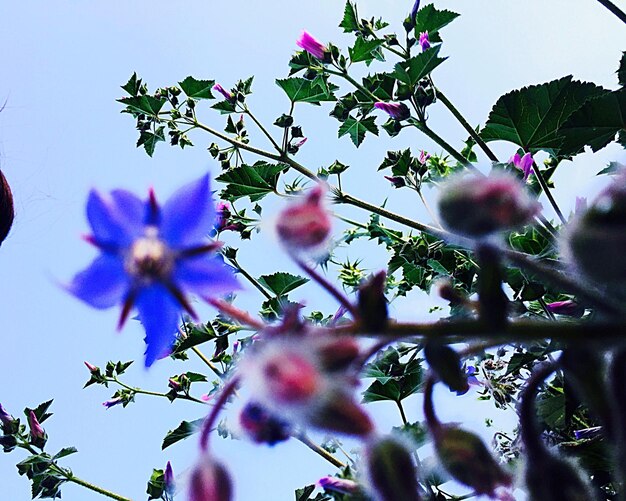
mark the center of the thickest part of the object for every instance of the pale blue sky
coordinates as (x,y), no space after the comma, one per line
(61,133)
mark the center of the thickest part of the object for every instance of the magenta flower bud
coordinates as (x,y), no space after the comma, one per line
(525,163)
(423,157)
(397,181)
(174,385)
(304,227)
(227,95)
(568,307)
(5,417)
(312,46)
(210,481)
(169,484)
(301,142)
(92,368)
(36,431)
(390,471)
(114,401)
(476,206)
(424,41)
(340,485)
(397,111)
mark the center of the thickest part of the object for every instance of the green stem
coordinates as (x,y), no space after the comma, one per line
(319,450)
(263,129)
(95,488)
(154,393)
(402,413)
(201,355)
(621,15)
(250,278)
(546,190)
(461,119)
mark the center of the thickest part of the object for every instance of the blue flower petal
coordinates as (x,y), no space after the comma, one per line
(189,214)
(159,313)
(205,276)
(103,284)
(114,219)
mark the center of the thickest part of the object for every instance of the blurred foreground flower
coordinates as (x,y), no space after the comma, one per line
(151,257)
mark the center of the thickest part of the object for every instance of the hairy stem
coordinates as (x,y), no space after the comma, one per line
(319,450)
(621,15)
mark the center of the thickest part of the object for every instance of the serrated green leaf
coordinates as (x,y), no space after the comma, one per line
(41,411)
(431,20)
(147,105)
(531,117)
(379,84)
(412,71)
(366,50)
(357,128)
(551,408)
(378,391)
(196,335)
(307,91)
(595,124)
(66,451)
(182,431)
(225,107)
(149,140)
(350,22)
(133,85)
(282,283)
(197,89)
(254,181)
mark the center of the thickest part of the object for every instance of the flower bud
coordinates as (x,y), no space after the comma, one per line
(397,111)
(340,413)
(227,95)
(261,426)
(313,46)
(467,459)
(568,308)
(424,41)
(391,472)
(446,363)
(169,484)
(340,485)
(7,211)
(114,401)
(305,226)
(597,239)
(337,353)
(210,481)
(5,417)
(373,304)
(91,367)
(36,431)
(396,181)
(477,206)
(549,478)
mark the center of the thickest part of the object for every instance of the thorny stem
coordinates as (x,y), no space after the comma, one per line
(319,450)
(228,389)
(330,288)
(621,15)
(546,190)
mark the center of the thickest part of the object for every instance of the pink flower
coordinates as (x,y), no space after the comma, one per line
(423,157)
(397,111)
(227,95)
(424,41)
(36,430)
(525,163)
(304,226)
(312,46)
(569,308)
(91,367)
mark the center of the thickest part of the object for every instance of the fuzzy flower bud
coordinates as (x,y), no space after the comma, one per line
(169,484)
(91,367)
(210,481)
(312,46)
(5,417)
(476,206)
(569,308)
(424,41)
(340,485)
(304,226)
(397,111)
(7,212)
(36,431)
(261,426)
(390,471)
(597,239)
(227,95)
(467,459)
(396,181)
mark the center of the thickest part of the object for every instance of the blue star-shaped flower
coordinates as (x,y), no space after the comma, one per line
(152,257)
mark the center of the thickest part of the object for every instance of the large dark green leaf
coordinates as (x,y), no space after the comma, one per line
(307,91)
(147,105)
(149,139)
(181,432)
(412,71)
(432,20)
(254,181)
(595,124)
(621,72)
(366,50)
(350,21)
(282,283)
(197,89)
(356,128)
(531,117)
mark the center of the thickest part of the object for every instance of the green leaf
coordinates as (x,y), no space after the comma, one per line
(307,91)
(196,335)
(551,408)
(366,50)
(432,20)
(380,84)
(412,71)
(350,22)
(156,485)
(357,128)
(197,89)
(41,411)
(254,181)
(612,168)
(149,139)
(133,85)
(147,105)
(225,107)
(66,451)
(621,72)
(281,283)
(595,124)
(395,380)
(531,117)
(400,162)
(182,431)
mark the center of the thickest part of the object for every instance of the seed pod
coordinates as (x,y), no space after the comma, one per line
(391,472)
